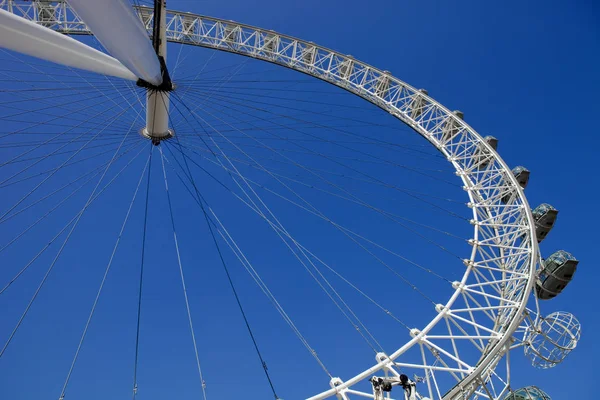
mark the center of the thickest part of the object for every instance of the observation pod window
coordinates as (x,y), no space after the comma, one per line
(46,13)
(545,217)
(542,209)
(451,126)
(418,103)
(528,393)
(560,257)
(492,141)
(557,272)
(270,44)
(522,175)
(483,155)
(346,67)
(188,26)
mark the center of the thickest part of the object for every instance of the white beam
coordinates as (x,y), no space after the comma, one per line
(119,29)
(26,37)
(157,103)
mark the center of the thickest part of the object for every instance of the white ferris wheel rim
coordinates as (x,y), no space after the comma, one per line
(464,149)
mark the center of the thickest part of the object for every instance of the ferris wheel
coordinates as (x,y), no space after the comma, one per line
(484,305)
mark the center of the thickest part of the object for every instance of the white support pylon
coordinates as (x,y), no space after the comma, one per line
(27,37)
(119,29)
(157,102)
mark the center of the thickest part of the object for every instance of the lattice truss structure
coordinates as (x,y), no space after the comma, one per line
(463,352)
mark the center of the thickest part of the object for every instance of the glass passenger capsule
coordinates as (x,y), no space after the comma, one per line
(557,272)
(483,155)
(522,175)
(545,217)
(417,105)
(451,126)
(528,393)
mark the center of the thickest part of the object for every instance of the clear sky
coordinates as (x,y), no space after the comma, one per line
(524,73)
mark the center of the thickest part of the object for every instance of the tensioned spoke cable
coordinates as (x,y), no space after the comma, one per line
(52,96)
(234,247)
(334,161)
(183,284)
(223,98)
(297,179)
(342,164)
(40,111)
(265,289)
(179,61)
(128,85)
(52,174)
(225,102)
(203,83)
(262,81)
(354,199)
(111,138)
(85,145)
(99,292)
(210,80)
(200,199)
(351,235)
(37,160)
(387,312)
(340,303)
(379,259)
(108,142)
(47,214)
(45,131)
(51,267)
(213,90)
(69,112)
(47,196)
(256,277)
(314,136)
(357,201)
(89,79)
(227,92)
(49,124)
(288,161)
(53,77)
(303,259)
(414,287)
(49,171)
(183,132)
(49,100)
(283,161)
(45,89)
(66,226)
(58,205)
(287,139)
(59,135)
(54,139)
(273,116)
(141,279)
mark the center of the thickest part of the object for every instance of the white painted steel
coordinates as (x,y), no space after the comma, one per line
(26,37)
(550,339)
(119,30)
(489,303)
(157,103)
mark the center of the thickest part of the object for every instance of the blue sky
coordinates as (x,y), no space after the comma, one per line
(524,73)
